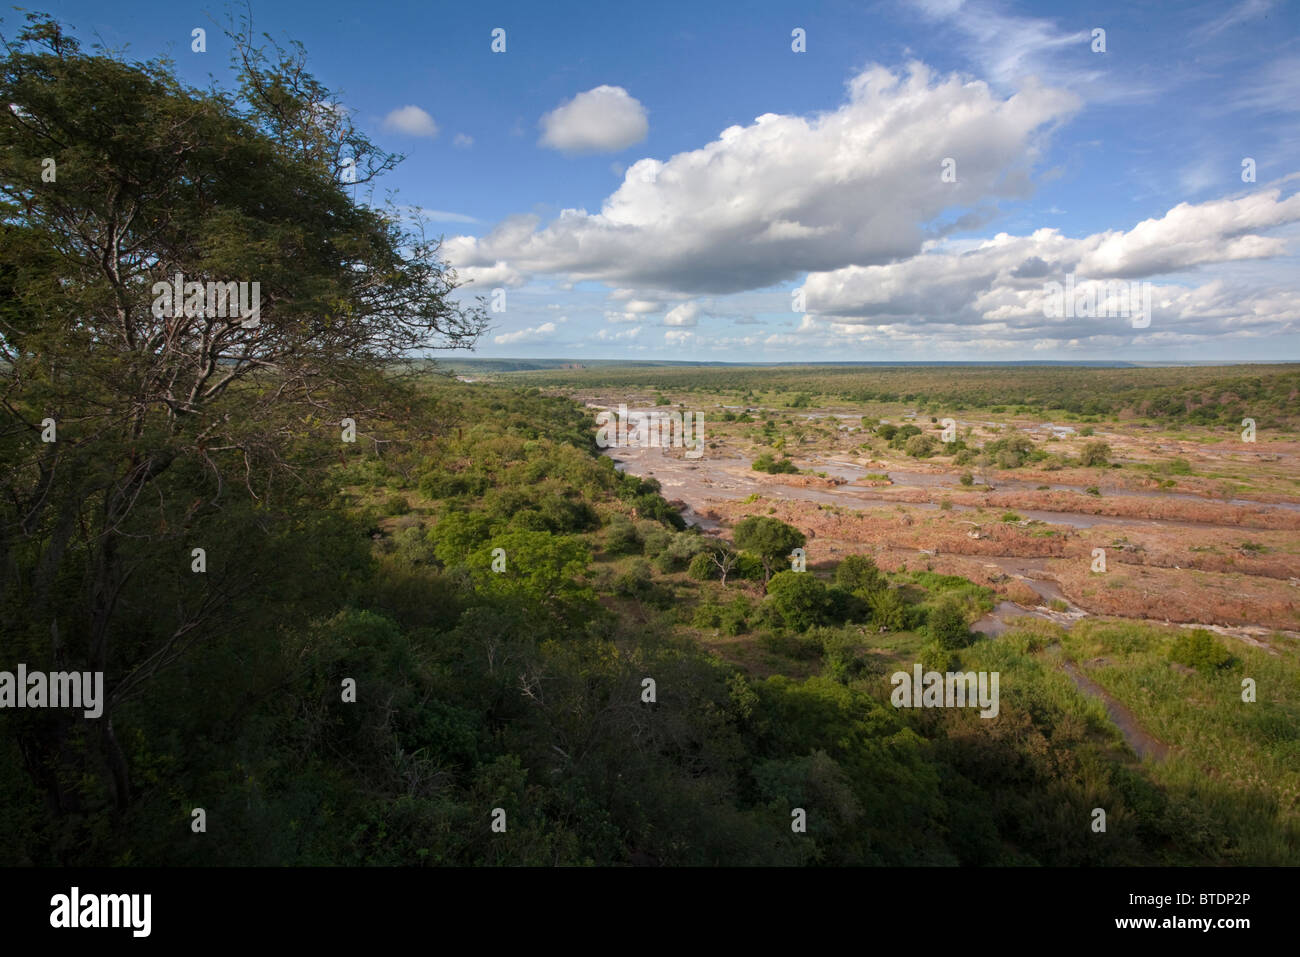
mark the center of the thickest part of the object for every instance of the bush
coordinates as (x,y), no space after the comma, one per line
(858,573)
(683,547)
(935,657)
(799,599)
(766,463)
(411,547)
(946,624)
(1011,452)
(702,568)
(706,615)
(628,581)
(748,568)
(888,610)
(1096,453)
(842,655)
(734,616)
(621,537)
(1200,650)
(843,605)
(921,446)
(396,505)
(638,582)
(789,646)
(967,479)
(655,541)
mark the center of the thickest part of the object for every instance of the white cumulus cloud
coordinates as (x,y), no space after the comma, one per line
(687,314)
(411,120)
(602,120)
(766,202)
(536,334)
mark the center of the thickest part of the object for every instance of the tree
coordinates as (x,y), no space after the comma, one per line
(799,598)
(920,446)
(724,558)
(946,623)
(1095,453)
(175,416)
(771,539)
(859,574)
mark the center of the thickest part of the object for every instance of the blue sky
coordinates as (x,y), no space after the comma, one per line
(585,171)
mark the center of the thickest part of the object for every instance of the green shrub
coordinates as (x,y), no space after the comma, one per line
(767,463)
(935,657)
(921,446)
(843,605)
(1200,650)
(1095,453)
(702,568)
(655,541)
(789,645)
(799,599)
(621,537)
(748,568)
(858,573)
(946,623)
(638,582)
(1009,453)
(683,547)
(734,617)
(888,610)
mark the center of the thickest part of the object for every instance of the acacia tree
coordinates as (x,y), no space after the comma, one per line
(114,177)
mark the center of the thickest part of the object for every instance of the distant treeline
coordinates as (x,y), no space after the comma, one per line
(1194,395)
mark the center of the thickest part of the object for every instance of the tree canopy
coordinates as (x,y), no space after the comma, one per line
(129,425)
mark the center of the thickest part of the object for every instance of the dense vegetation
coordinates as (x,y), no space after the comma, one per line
(522,689)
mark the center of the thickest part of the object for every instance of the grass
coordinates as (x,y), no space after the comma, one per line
(1240,759)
